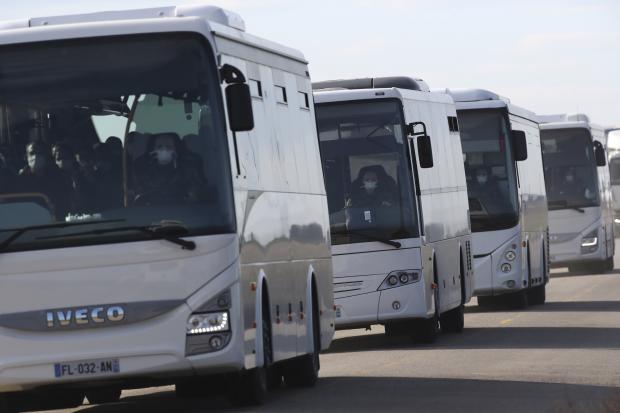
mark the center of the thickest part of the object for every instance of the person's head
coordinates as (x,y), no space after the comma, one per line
(37,156)
(370,181)
(570,176)
(165,148)
(64,157)
(482,176)
(86,158)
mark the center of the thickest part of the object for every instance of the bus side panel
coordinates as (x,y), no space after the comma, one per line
(533,199)
(444,197)
(281,210)
(607,211)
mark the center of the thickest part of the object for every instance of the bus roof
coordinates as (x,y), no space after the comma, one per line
(339,95)
(486,99)
(566,121)
(223,22)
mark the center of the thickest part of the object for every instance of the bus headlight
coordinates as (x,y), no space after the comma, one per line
(510,255)
(207,323)
(398,278)
(589,242)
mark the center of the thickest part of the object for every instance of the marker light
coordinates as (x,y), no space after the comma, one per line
(510,255)
(207,323)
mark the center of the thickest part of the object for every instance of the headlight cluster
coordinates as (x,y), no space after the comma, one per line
(589,242)
(399,278)
(208,329)
(509,256)
(207,323)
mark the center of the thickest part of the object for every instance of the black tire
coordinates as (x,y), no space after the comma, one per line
(537,295)
(453,321)
(577,269)
(426,331)
(304,371)
(251,387)
(398,329)
(104,395)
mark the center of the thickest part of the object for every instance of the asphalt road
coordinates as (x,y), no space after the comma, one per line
(563,356)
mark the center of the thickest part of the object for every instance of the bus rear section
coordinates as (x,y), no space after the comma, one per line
(149,233)
(397,202)
(579,193)
(507,198)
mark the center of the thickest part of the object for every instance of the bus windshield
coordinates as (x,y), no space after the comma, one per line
(367,171)
(570,168)
(115,134)
(490,170)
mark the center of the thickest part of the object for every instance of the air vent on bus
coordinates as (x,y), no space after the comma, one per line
(468,253)
(400,82)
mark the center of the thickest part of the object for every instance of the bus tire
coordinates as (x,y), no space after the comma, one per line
(251,387)
(453,321)
(104,395)
(577,269)
(537,295)
(304,371)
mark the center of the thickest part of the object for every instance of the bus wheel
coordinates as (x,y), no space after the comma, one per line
(251,387)
(453,321)
(427,330)
(487,301)
(103,395)
(304,371)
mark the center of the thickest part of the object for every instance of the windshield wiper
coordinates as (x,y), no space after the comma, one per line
(18,232)
(167,230)
(394,244)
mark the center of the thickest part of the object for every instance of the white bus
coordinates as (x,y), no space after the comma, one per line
(163,217)
(579,190)
(613,153)
(507,198)
(398,205)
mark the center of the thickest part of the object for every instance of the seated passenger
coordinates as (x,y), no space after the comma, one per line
(98,184)
(166,175)
(373,188)
(42,176)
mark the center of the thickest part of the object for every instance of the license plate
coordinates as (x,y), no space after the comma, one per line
(87,368)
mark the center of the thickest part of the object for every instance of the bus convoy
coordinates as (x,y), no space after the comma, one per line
(180,204)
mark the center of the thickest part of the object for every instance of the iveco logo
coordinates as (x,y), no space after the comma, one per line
(77,317)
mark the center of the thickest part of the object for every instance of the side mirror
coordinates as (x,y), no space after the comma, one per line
(599,154)
(519,145)
(239,105)
(425,151)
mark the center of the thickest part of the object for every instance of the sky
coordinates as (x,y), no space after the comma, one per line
(548,56)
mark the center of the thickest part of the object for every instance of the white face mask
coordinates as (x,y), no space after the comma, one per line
(482,179)
(164,156)
(370,185)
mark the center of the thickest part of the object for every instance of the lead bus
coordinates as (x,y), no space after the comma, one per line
(401,241)
(162,209)
(507,198)
(580,199)
(613,153)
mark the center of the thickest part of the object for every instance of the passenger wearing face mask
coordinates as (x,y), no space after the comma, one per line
(42,176)
(166,175)
(373,188)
